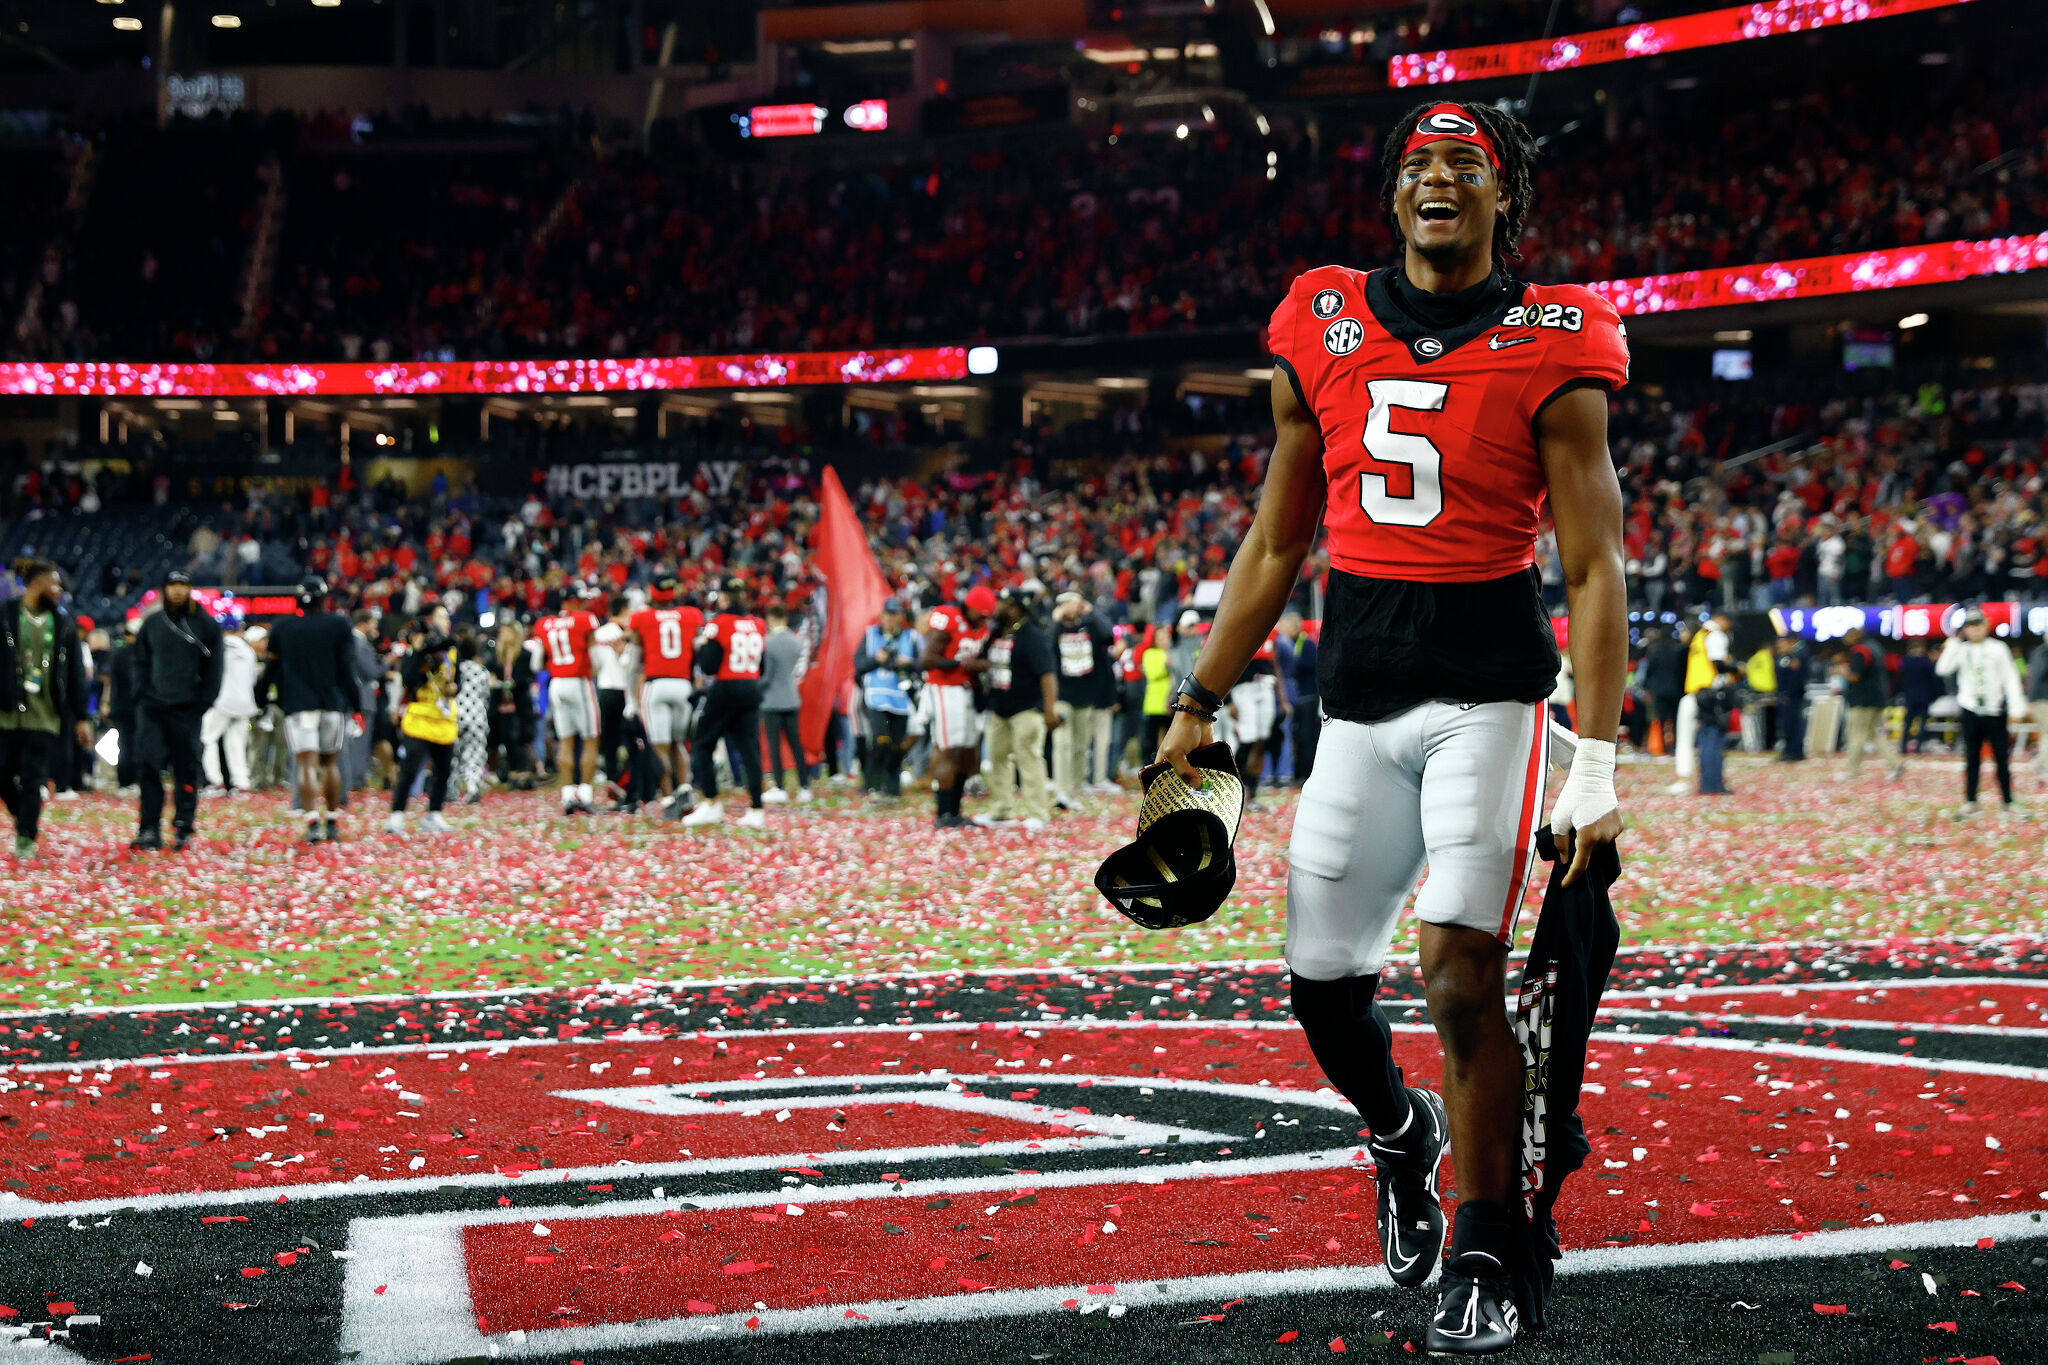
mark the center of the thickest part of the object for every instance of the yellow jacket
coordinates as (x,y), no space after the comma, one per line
(430,715)
(1763,671)
(1699,669)
(1158,682)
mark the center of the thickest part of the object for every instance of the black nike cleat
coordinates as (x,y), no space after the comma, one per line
(1411,1213)
(1477,1314)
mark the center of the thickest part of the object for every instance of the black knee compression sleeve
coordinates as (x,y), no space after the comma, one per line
(1354,1046)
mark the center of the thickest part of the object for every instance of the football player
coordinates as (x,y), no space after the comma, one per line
(1426,412)
(730,651)
(953,641)
(564,638)
(668,632)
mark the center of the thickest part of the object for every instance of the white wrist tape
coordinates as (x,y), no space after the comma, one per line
(1588,792)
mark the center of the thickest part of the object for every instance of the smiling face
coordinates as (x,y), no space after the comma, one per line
(1447,201)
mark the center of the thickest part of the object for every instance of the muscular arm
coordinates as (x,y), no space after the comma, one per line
(1268,563)
(1585,504)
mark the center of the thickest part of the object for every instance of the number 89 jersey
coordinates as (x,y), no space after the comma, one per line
(742,640)
(1429,438)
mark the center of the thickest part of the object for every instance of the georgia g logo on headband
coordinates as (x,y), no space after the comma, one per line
(1451,125)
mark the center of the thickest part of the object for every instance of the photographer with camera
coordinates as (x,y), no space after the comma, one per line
(889,684)
(427,731)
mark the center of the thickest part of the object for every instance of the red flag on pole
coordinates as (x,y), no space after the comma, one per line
(854,593)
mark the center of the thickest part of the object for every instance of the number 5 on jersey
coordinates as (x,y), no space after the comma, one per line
(1425,500)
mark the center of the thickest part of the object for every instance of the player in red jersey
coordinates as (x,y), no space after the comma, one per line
(1425,413)
(729,651)
(668,633)
(564,640)
(953,641)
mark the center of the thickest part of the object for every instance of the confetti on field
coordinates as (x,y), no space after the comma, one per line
(519,896)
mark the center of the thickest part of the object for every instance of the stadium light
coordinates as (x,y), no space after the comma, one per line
(1181,132)
(227,21)
(326,4)
(128,23)
(1912,320)
(981,360)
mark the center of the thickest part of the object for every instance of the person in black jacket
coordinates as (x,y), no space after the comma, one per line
(43,687)
(180,663)
(313,671)
(124,678)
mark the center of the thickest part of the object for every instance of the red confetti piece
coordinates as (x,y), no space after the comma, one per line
(2014,1284)
(63,1309)
(1986,1243)
(129,1360)
(699,1306)
(1941,1327)
(753,1324)
(382,1287)
(1838,1309)
(857,1317)
(1102,1289)
(1286,1337)
(6,1312)
(1337,1346)
(251,1272)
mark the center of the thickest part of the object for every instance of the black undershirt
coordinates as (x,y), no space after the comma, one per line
(1389,645)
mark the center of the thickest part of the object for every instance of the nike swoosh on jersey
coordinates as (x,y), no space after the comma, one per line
(1497,342)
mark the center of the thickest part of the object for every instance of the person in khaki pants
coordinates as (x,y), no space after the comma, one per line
(1023,706)
(1087,692)
(1862,674)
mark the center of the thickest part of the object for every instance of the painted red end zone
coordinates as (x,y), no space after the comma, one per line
(2007,1004)
(1691,1164)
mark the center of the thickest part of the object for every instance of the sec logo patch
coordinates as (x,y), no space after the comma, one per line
(1328,303)
(1343,336)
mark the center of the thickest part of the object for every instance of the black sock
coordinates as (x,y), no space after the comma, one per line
(947,801)
(1355,1048)
(1484,1226)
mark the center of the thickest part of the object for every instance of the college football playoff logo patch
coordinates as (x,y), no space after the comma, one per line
(1343,336)
(1328,303)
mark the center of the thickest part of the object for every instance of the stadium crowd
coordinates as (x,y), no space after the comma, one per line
(561,246)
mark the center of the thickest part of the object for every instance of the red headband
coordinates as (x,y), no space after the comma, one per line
(1450,122)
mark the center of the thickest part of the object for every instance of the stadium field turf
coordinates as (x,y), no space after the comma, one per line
(611,1091)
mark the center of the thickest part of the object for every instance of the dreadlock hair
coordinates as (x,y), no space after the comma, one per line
(1517,153)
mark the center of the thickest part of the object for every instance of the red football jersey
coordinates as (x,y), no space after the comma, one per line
(668,637)
(1429,438)
(947,631)
(741,642)
(565,641)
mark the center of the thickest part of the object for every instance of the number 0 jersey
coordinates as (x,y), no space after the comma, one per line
(1429,438)
(1428,407)
(668,638)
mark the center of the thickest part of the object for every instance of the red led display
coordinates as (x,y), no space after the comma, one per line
(1853,273)
(1739,23)
(422,378)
